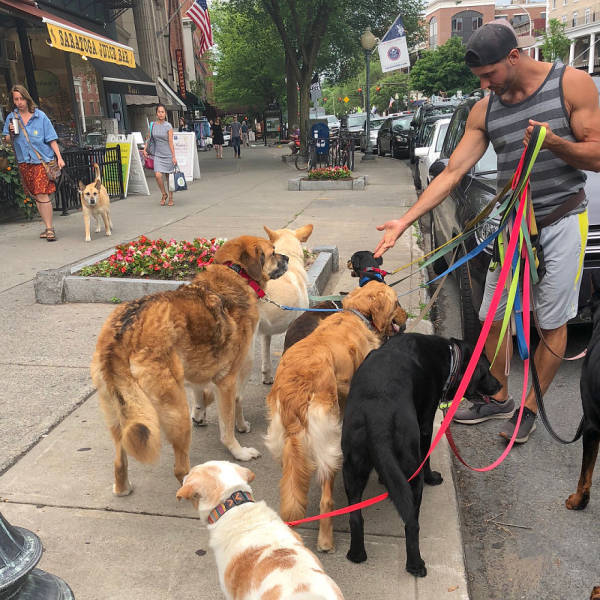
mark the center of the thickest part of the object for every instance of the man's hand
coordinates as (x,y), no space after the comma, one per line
(61,162)
(549,135)
(393,230)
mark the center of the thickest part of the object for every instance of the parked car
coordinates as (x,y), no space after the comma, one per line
(392,136)
(355,123)
(474,191)
(417,125)
(430,152)
(425,131)
(333,123)
(226,136)
(375,124)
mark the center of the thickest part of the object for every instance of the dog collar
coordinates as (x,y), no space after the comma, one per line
(367,322)
(455,361)
(240,271)
(372,274)
(235,499)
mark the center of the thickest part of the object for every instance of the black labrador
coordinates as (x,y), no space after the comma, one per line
(363,265)
(388,424)
(590,399)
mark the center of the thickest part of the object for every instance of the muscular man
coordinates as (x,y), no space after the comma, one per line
(524,93)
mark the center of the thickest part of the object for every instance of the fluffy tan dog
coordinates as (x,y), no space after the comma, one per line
(258,556)
(95,203)
(307,401)
(290,290)
(201,333)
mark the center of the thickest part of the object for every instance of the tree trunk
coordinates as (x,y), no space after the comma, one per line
(304,111)
(292,94)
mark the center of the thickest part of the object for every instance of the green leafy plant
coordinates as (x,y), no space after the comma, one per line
(332,173)
(556,43)
(11,179)
(156,259)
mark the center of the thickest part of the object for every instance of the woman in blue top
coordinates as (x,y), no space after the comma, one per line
(163,152)
(42,142)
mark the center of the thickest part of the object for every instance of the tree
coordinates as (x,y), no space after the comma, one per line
(443,69)
(556,43)
(249,62)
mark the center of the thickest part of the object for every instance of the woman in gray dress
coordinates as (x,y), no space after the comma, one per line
(162,151)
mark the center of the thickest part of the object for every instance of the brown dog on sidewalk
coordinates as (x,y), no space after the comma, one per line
(258,556)
(200,334)
(95,203)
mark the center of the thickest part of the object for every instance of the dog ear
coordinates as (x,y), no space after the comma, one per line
(303,233)
(383,308)
(98,184)
(81,185)
(272,234)
(379,260)
(246,474)
(187,490)
(254,263)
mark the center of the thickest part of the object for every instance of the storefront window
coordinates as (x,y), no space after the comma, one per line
(87,98)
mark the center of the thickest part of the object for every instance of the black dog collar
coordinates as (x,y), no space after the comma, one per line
(235,499)
(367,322)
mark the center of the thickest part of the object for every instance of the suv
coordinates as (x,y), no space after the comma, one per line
(467,199)
(333,123)
(392,136)
(439,107)
(355,123)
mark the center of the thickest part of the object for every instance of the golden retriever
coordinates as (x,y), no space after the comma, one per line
(307,400)
(201,333)
(258,556)
(290,290)
(95,202)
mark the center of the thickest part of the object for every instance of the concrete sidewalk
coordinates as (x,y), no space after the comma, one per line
(55,451)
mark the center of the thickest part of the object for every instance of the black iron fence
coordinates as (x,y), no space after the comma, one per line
(80,167)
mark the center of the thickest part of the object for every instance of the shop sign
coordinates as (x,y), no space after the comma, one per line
(186,153)
(75,41)
(180,75)
(47,83)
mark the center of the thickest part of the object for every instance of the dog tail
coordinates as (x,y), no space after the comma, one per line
(295,480)
(97,172)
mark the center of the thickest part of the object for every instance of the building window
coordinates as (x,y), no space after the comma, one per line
(564,19)
(457,24)
(553,3)
(574,21)
(565,2)
(588,15)
(433,27)
(477,22)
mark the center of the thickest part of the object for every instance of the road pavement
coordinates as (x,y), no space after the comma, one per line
(56,454)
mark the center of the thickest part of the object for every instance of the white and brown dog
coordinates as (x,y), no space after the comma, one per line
(95,202)
(258,556)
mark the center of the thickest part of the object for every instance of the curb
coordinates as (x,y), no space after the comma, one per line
(60,286)
(299,184)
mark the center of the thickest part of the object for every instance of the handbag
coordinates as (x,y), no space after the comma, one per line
(179,178)
(150,148)
(51,167)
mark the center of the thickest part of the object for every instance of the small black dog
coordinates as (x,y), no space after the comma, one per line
(388,423)
(590,399)
(363,265)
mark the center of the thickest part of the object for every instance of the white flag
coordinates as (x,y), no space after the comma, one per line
(393,51)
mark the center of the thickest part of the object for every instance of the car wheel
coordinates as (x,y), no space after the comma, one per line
(395,151)
(416,177)
(471,327)
(380,149)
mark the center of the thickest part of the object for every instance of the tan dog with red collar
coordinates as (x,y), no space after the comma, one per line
(258,556)
(95,202)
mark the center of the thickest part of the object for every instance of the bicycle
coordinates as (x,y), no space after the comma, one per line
(314,159)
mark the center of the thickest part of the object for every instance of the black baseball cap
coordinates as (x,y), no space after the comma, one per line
(490,44)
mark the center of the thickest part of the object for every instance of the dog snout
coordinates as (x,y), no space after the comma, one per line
(281,268)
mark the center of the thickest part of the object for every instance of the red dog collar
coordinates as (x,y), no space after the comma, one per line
(240,271)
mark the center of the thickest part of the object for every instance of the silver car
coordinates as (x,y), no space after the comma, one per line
(375,124)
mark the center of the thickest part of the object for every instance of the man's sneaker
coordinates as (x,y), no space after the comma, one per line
(526,428)
(482,408)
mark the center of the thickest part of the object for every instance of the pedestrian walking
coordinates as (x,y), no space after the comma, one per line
(245,130)
(160,146)
(525,93)
(236,136)
(217,137)
(35,142)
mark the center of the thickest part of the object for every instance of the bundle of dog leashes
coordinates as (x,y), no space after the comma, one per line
(521,266)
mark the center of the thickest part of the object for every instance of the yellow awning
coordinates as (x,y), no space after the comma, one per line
(71,39)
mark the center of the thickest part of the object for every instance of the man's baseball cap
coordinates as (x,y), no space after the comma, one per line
(490,44)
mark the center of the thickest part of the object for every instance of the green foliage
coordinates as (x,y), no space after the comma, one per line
(12,179)
(443,69)
(556,43)
(250,63)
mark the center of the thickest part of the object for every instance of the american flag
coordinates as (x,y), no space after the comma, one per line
(199,14)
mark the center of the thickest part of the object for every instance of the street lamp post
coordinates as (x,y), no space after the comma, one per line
(368,41)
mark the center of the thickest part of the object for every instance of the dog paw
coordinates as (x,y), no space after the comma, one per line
(88,239)
(357,557)
(97,230)
(577,501)
(124,492)
(267,379)
(201,422)
(418,570)
(246,453)
(245,427)
(433,478)
(108,233)
(326,548)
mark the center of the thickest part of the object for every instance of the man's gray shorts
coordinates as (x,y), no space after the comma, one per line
(555,297)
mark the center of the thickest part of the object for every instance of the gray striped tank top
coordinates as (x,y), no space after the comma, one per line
(552,180)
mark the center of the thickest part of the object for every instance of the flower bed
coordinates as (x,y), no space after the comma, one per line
(330,173)
(156,259)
